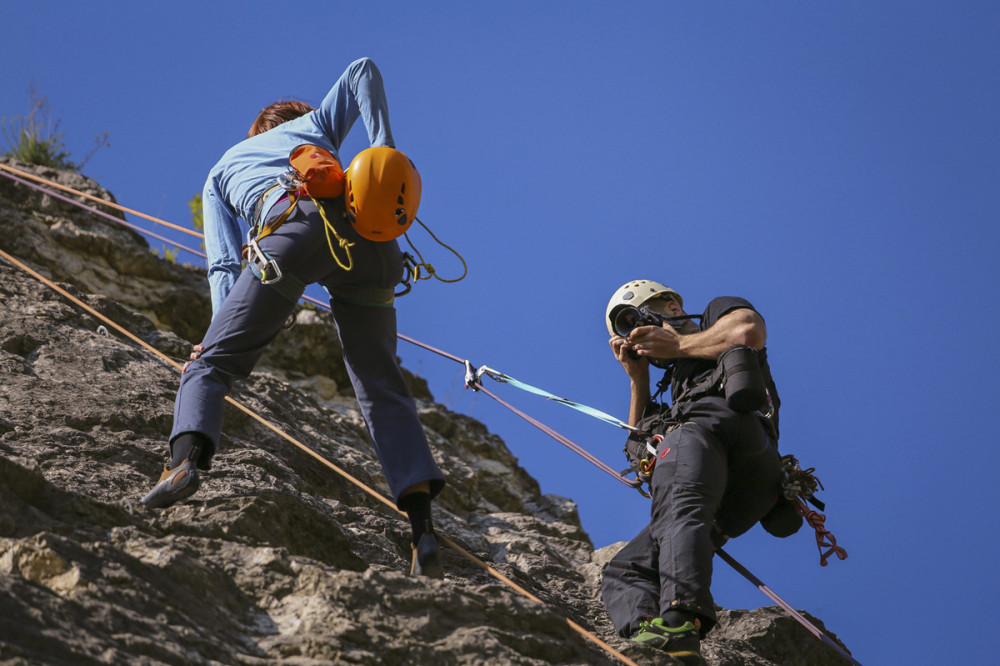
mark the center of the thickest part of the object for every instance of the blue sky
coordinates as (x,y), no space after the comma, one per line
(835,163)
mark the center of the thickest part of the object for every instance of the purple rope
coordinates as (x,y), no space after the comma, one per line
(101,213)
(565,441)
(813,629)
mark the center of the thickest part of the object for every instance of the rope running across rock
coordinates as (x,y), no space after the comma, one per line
(473,383)
(295,442)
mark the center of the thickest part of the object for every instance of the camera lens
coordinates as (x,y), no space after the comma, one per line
(627,319)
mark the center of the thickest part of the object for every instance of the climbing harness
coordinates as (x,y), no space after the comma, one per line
(315,173)
(640,450)
(266,269)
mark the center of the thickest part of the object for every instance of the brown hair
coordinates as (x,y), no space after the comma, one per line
(277,113)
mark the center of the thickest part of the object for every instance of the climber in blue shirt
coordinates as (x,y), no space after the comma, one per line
(249,310)
(236,185)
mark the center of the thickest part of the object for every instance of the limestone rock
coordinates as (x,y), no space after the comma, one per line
(277,559)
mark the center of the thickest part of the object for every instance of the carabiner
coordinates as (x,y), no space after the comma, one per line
(261,264)
(471,376)
(290,181)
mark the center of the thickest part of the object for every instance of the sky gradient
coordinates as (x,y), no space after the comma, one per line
(836,164)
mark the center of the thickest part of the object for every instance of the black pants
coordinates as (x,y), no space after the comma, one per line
(720,467)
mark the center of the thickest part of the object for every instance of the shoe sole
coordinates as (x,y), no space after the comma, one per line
(166,492)
(431,566)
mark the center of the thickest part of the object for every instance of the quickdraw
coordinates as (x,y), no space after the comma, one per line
(642,466)
(647,464)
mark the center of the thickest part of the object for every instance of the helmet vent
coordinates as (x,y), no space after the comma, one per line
(383,192)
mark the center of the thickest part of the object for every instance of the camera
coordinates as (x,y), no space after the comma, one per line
(628,317)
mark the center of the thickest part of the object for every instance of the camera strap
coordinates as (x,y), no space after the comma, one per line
(710,386)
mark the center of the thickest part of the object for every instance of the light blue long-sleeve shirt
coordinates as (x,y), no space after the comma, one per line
(250,167)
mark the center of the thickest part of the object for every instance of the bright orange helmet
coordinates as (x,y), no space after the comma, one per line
(383,193)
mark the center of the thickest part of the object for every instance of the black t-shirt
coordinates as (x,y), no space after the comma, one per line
(686,373)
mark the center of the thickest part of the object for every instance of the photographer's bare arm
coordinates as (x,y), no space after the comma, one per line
(738,327)
(637,370)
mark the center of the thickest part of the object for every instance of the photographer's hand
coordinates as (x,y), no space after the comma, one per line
(655,342)
(742,326)
(637,370)
(635,367)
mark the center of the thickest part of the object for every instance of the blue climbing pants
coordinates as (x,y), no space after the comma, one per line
(253,314)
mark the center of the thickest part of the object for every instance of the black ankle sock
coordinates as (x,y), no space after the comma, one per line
(676,618)
(187,446)
(418,508)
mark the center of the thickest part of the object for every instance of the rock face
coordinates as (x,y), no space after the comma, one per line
(277,559)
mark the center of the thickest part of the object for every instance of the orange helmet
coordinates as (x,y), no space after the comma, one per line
(383,192)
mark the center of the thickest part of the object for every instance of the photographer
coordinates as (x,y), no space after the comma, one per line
(716,470)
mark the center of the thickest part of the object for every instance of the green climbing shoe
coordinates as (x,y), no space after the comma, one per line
(682,643)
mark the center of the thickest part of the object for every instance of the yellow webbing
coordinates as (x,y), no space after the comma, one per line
(345,244)
(278,221)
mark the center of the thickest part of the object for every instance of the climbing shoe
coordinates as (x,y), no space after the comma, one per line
(174,485)
(682,643)
(427,557)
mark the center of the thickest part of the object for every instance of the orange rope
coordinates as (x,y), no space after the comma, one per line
(369,490)
(64,188)
(824,538)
